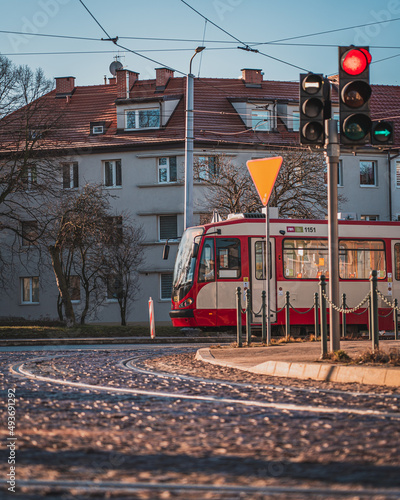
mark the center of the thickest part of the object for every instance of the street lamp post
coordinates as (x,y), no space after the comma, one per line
(188,208)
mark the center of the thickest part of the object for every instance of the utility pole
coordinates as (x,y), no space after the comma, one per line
(188,208)
(332,159)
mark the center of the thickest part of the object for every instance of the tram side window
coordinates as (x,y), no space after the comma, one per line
(228,258)
(206,269)
(397,261)
(305,258)
(260,260)
(357,258)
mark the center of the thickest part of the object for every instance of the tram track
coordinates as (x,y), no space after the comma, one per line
(21,370)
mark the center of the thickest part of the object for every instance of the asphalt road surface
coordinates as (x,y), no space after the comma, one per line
(151,422)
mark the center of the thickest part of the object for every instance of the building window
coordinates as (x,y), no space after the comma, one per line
(75,288)
(368,173)
(29,232)
(142,118)
(296,121)
(112,173)
(369,217)
(113,229)
(207,167)
(168,226)
(97,128)
(398,174)
(167,169)
(114,287)
(166,286)
(70,176)
(30,290)
(260,119)
(29,177)
(339,174)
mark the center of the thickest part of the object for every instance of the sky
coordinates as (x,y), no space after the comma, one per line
(168,32)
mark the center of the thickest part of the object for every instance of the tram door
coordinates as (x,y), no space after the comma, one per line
(395,283)
(258,278)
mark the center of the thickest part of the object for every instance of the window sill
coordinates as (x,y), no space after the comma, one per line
(368,186)
(112,187)
(160,184)
(29,304)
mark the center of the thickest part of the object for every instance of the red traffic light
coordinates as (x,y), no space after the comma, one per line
(355,61)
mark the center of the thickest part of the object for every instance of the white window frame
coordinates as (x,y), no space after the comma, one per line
(114,179)
(97,129)
(114,277)
(204,166)
(33,286)
(136,113)
(165,299)
(339,174)
(167,168)
(30,178)
(375,166)
(258,124)
(73,175)
(398,174)
(160,217)
(295,116)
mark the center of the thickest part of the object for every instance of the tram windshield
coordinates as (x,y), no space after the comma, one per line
(185,264)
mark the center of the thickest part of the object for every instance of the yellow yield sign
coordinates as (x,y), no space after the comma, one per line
(264,173)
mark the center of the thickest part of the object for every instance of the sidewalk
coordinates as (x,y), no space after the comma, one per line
(301,360)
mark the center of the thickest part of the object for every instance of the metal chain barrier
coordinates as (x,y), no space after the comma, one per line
(346,311)
(386,301)
(302,312)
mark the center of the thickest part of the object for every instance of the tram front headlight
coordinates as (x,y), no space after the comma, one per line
(186,303)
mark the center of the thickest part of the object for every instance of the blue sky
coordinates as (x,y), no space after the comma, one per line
(249,21)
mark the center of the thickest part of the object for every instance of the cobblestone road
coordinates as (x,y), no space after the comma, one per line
(210,426)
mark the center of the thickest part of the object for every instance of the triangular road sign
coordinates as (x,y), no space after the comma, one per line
(264,173)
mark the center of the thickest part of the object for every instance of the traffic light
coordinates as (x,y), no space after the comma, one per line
(354,95)
(314,108)
(382,133)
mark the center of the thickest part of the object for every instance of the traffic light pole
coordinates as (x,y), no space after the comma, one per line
(332,159)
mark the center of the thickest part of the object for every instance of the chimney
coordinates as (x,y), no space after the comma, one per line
(125,81)
(252,77)
(65,86)
(162,77)
(112,80)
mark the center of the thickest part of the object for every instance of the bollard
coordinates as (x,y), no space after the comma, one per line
(239,316)
(151,316)
(369,318)
(287,315)
(316,320)
(324,325)
(344,319)
(374,311)
(264,317)
(248,316)
(396,321)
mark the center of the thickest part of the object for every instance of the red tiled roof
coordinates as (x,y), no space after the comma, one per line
(216,121)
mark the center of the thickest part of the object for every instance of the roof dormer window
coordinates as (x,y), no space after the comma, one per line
(142,118)
(261,119)
(97,128)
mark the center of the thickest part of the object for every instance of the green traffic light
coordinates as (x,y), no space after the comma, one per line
(382,132)
(356,127)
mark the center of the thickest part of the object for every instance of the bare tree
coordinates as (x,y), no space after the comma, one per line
(299,191)
(121,261)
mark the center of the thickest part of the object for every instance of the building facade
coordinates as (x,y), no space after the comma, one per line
(128,135)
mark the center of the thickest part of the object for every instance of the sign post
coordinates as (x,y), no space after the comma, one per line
(264,173)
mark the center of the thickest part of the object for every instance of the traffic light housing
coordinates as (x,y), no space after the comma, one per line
(382,133)
(314,108)
(354,95)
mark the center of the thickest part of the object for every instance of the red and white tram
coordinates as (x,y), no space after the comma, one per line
(214,259)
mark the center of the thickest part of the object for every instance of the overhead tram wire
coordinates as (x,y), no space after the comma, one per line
(245,45)
(115,41)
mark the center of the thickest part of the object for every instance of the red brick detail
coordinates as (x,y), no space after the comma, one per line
(65,85)
(162,76)
(112,80)
(252,76)
(121,82)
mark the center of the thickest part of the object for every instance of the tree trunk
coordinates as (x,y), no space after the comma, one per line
(62,286)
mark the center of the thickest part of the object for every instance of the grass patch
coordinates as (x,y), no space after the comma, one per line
(379,357)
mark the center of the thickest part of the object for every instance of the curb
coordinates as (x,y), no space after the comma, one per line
(370,375)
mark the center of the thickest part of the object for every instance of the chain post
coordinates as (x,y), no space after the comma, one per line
(369,318)
(324,325)
(396,321)
(316,321)
(239,316)
(374,311)
(344,319)
(264,316)
(287,315)
(248,316)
